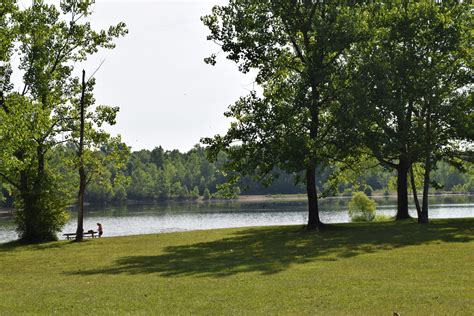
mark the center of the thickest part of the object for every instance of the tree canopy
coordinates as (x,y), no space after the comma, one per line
(411,84)
(297,49)
(37,119)
(340,80)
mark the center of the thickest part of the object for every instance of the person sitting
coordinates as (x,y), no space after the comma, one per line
(100,229)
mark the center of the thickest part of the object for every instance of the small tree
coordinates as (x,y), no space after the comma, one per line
(206,194)
(194,194)
(362,208)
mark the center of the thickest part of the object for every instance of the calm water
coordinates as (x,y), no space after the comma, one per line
(172,217)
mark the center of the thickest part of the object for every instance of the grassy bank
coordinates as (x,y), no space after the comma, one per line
(377,268)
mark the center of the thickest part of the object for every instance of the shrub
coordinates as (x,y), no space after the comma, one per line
(383,218)
(361,208)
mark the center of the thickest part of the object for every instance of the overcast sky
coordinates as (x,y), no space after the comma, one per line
(167,95)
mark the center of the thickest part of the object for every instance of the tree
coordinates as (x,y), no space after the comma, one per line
(397,76)
(92,162)
(50,41)
(444,116)
(8,33)
(194,194)
(206,194)
(445,112)
(157,156)
(297,48)
(41,198)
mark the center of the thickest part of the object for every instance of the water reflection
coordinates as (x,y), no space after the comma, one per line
(170,217)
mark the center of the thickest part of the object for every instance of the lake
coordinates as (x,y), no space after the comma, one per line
(185,216)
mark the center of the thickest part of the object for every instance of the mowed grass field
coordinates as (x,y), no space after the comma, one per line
(351,269)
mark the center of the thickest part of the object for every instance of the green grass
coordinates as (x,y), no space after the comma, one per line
(356,269)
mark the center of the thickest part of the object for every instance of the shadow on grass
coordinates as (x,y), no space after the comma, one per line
(18,244)
(273,249)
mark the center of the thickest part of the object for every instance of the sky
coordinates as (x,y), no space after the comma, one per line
(166,93)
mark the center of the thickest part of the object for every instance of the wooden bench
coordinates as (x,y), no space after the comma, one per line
(88,234)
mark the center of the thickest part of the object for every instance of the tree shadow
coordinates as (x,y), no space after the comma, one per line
(18,244)
(271,250)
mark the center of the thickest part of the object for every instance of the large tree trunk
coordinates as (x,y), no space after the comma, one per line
(313,211)
(82,174)
(402,191)
(33,227)
(29,231)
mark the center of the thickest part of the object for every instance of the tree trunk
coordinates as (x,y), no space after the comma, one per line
(423,212)
(428,163)
(424,218)
(80,211)
(402,191)
(29,231)
(415,194)
(82,174)
(33,227)
(314,222)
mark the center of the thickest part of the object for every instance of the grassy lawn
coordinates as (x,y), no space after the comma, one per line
(359,269)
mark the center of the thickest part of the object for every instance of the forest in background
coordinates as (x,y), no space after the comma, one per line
(158,174)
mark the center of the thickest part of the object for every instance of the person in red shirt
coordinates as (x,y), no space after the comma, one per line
(100,229)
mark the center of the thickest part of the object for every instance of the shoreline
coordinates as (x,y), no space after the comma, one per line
(281,197)
(251,199)
(190,231)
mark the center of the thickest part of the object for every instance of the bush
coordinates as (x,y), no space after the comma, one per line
(383,218)
(362,208)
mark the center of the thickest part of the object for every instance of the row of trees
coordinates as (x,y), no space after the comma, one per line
(163,175)
(158,175)
(346,82)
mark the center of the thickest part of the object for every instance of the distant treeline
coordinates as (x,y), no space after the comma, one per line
(153,175)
